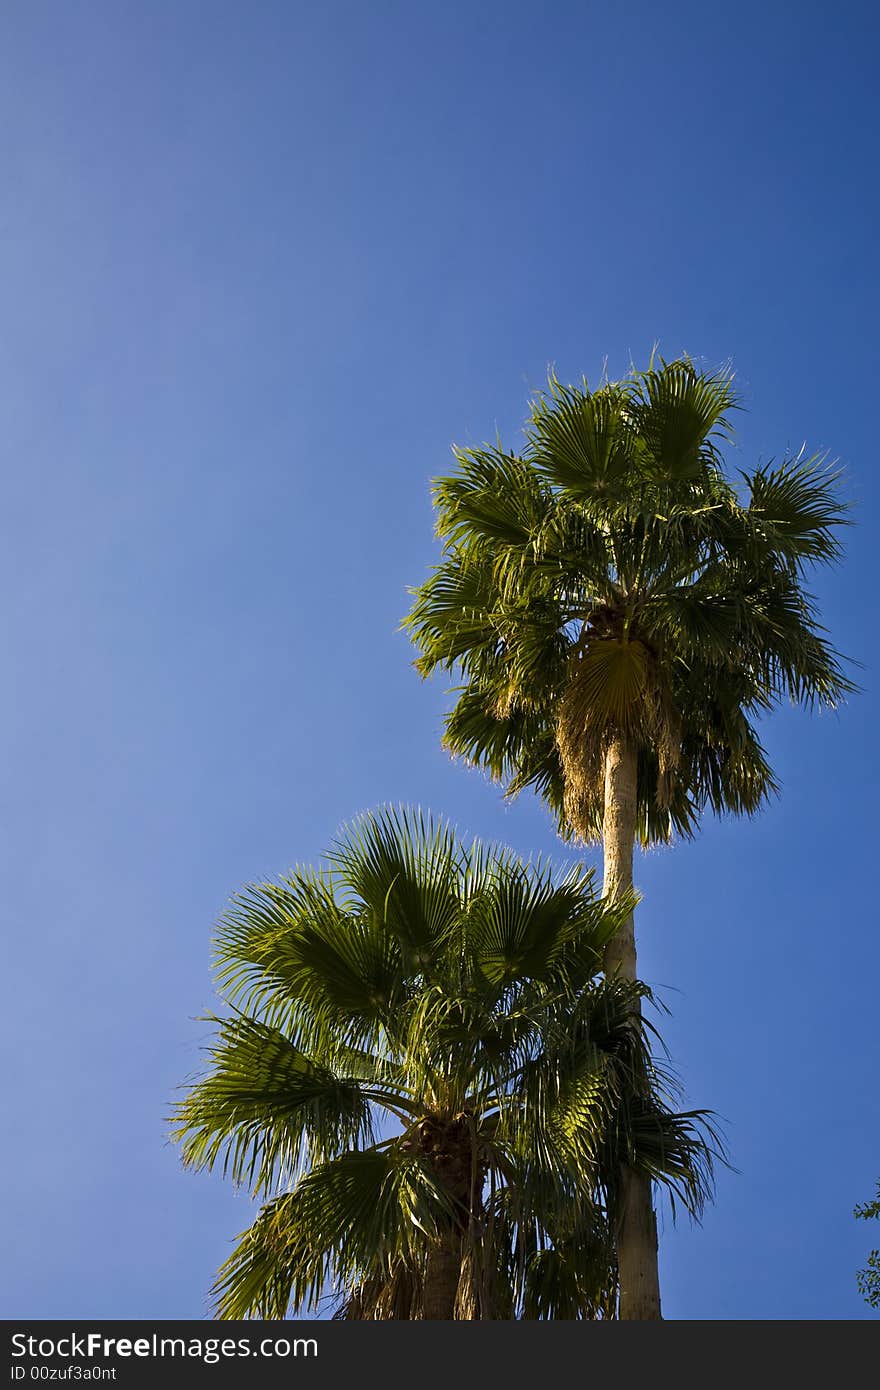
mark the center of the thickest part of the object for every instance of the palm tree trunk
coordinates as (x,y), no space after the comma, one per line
(637,1223)
(441,1278)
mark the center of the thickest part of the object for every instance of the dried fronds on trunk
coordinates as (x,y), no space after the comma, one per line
(396,1297)
(615,689)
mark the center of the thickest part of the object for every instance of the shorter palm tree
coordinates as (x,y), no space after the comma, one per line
(428,1081)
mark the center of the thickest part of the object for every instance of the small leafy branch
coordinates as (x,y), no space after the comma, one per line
(868,1279)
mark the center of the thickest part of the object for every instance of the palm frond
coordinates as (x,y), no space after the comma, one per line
(582,441)
(360,1215)
(406,870)
(311,962)
(796,509)
(265,1109)
(678,413)
(494,495)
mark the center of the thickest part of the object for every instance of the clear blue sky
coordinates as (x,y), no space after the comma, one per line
(261,264)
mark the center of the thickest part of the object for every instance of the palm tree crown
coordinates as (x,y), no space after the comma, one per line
(429,1085)
(611,582)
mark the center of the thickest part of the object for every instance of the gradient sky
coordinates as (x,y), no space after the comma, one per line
(261,265)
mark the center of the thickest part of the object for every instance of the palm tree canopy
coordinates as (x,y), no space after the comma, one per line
(418,1042)
(611,580)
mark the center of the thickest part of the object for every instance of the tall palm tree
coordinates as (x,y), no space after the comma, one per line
(620,614)
(423,1075)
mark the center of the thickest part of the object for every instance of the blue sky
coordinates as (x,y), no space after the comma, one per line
(261,265)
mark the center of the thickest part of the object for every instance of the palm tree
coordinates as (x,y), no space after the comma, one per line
(620,615)
(425,1079)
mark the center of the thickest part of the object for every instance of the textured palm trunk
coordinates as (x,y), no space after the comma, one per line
(441,1279)
(637,1223)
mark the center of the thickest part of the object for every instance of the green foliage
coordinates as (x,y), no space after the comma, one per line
(868,1279)
(420,1046)
(612,580)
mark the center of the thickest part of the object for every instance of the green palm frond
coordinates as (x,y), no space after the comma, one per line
(317,966)
(570,1090)
(676,1149)
(495,495)
(517,747)
(570,1279)
(553,1261)
(522,926)
(363,1212)
(678,413)
(405,870)
(454,616)
(265,1108)
(582,441)
(796,508)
